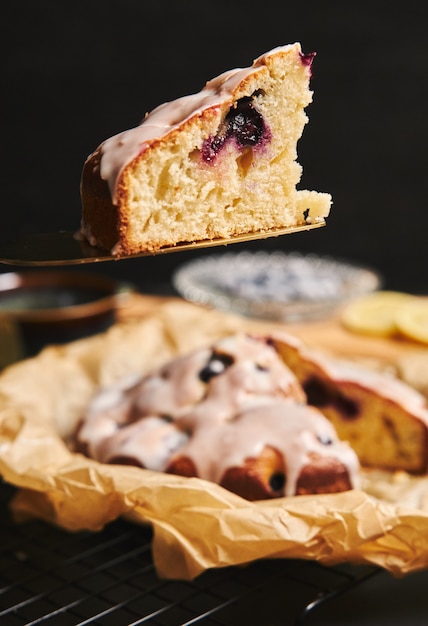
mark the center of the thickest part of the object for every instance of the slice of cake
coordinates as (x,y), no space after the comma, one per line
(384,419)
(218,163)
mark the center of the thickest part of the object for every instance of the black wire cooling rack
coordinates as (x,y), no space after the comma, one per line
(52,577)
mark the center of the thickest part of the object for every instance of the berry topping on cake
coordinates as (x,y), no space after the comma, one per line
(277,481)
(215,366)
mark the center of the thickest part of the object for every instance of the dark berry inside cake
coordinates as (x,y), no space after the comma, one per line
(243,124)
(321,395)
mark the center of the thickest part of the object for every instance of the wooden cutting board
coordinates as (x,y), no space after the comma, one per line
(326,334)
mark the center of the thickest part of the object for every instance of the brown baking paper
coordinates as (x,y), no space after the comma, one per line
(197,525)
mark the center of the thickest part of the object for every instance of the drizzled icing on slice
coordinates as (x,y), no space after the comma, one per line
(120,149)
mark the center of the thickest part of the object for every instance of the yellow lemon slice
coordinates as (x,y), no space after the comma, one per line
(375,314)
(412,320)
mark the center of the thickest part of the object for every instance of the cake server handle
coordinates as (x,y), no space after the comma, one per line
(65,248)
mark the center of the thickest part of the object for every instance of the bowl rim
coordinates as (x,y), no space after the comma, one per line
(187,280)
(14,281)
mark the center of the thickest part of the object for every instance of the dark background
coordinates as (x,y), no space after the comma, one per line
(74,73)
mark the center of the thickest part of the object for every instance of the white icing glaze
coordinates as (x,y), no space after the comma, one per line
(381,383)
(148,442)
(253,401)
(294,430)
(120,149)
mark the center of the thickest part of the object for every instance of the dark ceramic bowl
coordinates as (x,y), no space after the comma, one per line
(54,307)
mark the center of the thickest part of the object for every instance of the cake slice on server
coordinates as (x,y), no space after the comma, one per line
(216,164)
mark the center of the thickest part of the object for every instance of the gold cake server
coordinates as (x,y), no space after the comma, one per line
(66,248)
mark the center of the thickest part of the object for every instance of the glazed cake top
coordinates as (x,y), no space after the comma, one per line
(119,150)
(217,406)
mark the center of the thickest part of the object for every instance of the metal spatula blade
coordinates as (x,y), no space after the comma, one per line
(65,248)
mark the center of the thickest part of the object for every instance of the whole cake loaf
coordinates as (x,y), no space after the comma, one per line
(231,413)
(214,164)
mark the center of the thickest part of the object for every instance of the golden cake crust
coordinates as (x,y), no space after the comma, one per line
(103,213)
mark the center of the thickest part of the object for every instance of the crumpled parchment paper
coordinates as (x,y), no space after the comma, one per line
(197,525)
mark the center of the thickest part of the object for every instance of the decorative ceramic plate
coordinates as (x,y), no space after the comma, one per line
(276,285)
